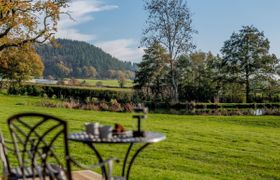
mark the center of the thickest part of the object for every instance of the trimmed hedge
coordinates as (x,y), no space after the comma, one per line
(214,106)
(81,94)
(26,90)
(124,96)
(225,105)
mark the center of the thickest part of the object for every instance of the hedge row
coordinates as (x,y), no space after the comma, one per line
(81,94)
(124,96)
(190,106)
(233,105)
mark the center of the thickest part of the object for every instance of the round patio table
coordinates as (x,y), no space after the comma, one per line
(124,138)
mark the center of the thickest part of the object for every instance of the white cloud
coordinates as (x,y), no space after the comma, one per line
(74,35)
(123,49)
(81,11)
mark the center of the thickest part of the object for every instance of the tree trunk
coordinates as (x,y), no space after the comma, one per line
(247,87)
(175,95)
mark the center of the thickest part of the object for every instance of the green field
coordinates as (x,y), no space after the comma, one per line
(197,147)
(109,82)
(88,87)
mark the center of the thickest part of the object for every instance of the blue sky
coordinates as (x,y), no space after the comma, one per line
(116,25)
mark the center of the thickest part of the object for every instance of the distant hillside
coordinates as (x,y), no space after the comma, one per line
(79,59)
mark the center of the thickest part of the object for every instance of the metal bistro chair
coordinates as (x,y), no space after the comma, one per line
(40,145)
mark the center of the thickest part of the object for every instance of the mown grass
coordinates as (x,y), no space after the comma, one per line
(197,147)
(108,82)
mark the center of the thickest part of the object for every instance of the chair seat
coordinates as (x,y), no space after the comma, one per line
(52,170)
(77,175)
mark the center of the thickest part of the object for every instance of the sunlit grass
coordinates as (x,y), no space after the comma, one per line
(197,147)
(109,82)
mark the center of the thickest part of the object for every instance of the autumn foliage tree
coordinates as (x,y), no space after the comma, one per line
(61,69)
(121,79)
(90,71)
(20,64)
(28,21)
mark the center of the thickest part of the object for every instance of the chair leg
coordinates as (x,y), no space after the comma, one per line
(110,169)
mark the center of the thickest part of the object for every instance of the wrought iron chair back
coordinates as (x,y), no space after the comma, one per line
(3,154)
(40,144)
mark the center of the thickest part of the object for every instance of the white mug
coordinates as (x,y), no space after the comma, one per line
(92,128)
(105,132)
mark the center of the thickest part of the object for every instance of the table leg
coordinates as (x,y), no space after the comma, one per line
(100,159)
(133,158)
(125,159)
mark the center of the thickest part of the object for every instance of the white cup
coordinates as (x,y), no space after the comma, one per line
(92,128)
(105,132)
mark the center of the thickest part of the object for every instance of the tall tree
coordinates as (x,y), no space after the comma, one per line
(169,23)
(61,69)
(152,70)
(246,56)
(278,70)
(28,21)
(90,71)
(197,77)
(121,79)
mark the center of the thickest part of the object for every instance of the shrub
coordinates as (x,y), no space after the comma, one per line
(90,106)
(84,83)
(72,104)
(99,84)
(35,91)
(74,82)
(47,103)
(115,106)
(128,107)
(104,106)
(13,90)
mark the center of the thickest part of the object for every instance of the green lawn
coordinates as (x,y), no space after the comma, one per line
(109,82)
(197,147)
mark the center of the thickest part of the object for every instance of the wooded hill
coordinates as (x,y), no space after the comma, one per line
(79,59)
